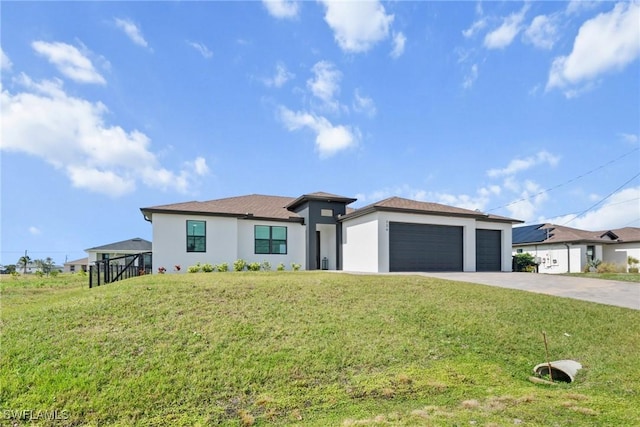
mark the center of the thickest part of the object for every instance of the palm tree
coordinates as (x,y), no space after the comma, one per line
(24,262)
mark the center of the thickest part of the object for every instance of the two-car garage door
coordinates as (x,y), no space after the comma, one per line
(424,247)
(429,247)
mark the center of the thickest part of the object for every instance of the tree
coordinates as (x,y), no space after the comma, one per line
(23,262)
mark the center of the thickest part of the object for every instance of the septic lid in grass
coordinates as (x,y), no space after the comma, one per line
(561,370)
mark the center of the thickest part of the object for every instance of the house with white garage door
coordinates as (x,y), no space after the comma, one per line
(320,231)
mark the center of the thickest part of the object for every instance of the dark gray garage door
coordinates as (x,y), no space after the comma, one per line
(424,247)
(488,250)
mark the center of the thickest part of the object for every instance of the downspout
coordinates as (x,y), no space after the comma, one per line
(568,257)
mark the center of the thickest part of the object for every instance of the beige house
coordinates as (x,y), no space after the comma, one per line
(77,265)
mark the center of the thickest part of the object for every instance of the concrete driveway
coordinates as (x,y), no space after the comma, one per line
(611,292)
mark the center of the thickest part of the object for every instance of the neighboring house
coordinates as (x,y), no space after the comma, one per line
(118,250)
(319,231)
(560,249)
(77,265)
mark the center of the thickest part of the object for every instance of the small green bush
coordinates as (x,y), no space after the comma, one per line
(632,270)
(295,267)
(266,265)
(280,267)
(194,268)
(239,265)
(222,267)
(54,273)
(254,266)
(207,268)
(609,267)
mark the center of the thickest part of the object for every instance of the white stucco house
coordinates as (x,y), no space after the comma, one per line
(118,252)
(320,231)
(560,249)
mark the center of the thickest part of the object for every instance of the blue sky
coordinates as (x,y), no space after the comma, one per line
(528,110)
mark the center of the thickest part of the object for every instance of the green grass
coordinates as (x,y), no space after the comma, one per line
(308,348)
(624,277)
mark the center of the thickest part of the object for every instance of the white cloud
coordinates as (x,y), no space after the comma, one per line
(476,27)
(399,41)
(200,167)
(330,139)
(202,48)
(282,9)
(629,138)
(363,104)
(5,62)
(357,25)
(620,210)
(69,61)
(542,32)
(531,197)
(471,77)
(608,42)
(33,230)
(518,165)
(132,31)
(70,133)
(505,33)
(326,83)
(281,76)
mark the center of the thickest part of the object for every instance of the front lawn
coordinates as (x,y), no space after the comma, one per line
(307,348)
(624,277)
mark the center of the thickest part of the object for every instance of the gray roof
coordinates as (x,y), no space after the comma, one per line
(551,233)
(136,244)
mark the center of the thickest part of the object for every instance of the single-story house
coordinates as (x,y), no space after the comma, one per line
(320,231)
(120,251)
(77,265)
(560,249)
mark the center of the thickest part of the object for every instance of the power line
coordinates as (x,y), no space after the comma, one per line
(610,204)
(603,199)
(567,182)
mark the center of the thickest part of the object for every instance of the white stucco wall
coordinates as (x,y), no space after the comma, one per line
(360,244)
(554,257)
(618,253)
(295,244)
(328,244)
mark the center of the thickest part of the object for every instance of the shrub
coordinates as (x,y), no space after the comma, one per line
(39,273)
(161,270)
(239,265)
(54,273)
(207,268)
(177,267)
(266,265)
(633,270)
(82,273)
(524,262)
(609,267)
(295,267)
(280,267)
(254,266)
(222,267)
(194,268)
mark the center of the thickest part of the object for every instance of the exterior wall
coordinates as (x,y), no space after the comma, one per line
(246,244)
(618,253)
(468,233)
(328,244)
(507,242)
(228,239)
(360,244)
(557,258)
(170,241)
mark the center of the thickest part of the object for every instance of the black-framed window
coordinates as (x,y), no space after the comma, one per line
(270,239)
(196,236)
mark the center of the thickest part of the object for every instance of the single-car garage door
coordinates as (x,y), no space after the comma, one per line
(424,247)
(488,250)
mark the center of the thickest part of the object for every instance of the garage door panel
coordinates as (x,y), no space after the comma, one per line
(488,250)
(425,247)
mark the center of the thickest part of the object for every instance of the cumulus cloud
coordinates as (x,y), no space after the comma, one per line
(34,231)
(519,165)
(69,61)
(502,36)
(475,28)
(542,32)
(330,139)
(70,133)
(325,84)
(606,43)
(531,196)
(399,41)
(132,31)
(5,62)
(202,48)
(357,25)
(281,76)
(363,104)
(282,9)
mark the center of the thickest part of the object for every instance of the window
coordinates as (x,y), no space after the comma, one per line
(270,239)
(196,236)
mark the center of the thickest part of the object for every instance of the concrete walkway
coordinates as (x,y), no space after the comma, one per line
(611,292)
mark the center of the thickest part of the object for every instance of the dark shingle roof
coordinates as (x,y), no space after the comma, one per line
(135,244)
(551,233)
